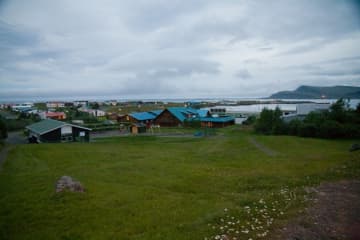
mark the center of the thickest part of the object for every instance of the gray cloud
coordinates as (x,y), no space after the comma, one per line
(182,48)
(243,74)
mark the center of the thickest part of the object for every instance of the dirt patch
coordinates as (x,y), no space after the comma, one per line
(3,154)
(334,214)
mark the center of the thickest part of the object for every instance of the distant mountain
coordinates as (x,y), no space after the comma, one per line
(311,92)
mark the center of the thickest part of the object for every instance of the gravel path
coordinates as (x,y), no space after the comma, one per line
(3,154)
(262,148)
(333,215)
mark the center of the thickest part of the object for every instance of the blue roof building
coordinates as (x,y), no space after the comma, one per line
(143,116)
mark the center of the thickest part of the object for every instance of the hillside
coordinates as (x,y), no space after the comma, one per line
(305,92)
(155,188)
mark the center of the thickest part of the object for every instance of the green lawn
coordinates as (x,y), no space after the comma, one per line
(165,188)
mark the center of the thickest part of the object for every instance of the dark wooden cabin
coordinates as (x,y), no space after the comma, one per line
(50,130)
(167,119)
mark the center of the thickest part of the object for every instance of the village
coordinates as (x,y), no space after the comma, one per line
(77,121)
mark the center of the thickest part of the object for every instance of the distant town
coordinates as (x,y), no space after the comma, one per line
(136,117)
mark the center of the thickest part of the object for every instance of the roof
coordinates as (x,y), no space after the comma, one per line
(203,112)
(49,125)
(156,112)
(217,119)
(182,113)
(142,116)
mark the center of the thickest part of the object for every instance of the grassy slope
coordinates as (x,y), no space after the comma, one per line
(154,188)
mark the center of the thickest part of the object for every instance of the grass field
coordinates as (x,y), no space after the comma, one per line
(166,188)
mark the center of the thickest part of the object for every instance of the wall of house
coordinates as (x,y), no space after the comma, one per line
(77,137)
(127,118)
(166,119)
(53,136)
(217,124)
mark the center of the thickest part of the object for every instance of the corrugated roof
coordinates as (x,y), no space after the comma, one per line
(217,119)
(183,113)
(142,116)
(45,126)
(48,125)
(156,112)
(203,112)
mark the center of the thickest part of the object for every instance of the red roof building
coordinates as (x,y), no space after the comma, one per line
(56,115)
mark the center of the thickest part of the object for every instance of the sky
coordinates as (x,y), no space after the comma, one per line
(151,49)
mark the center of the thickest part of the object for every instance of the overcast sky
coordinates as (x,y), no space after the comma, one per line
(175,49)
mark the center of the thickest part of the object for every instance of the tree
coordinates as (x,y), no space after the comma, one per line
(270,122)
(338,111)
(264,122)
(95,105)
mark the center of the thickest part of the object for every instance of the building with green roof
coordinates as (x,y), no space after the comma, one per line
(50,130)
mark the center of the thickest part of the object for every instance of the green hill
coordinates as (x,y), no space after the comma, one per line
(305,92)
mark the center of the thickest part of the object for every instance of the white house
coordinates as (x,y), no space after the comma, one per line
(55,104)
(306,108)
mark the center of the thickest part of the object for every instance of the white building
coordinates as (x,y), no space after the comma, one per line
(306,108)
(55,104)
(21,106)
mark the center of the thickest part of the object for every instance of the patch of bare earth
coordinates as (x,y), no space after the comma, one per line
(334,214)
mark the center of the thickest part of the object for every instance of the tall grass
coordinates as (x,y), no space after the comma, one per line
(161,188)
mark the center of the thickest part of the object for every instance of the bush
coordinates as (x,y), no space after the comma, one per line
(250,120)
(293,127)
(351,130)
(307,130)
(339,122)
(330,129)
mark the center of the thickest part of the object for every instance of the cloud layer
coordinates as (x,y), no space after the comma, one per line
(158,49)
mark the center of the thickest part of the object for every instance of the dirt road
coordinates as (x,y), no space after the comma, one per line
(333,215)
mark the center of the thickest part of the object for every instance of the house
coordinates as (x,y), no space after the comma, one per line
(21,106)
(304,109)
(53,115)
(175,116)
(136,128)
(140,117)
(217,122)
(111,102)
(113,116)
(81,103)
(94,112)
(218,111)
(55,104)
(49,131)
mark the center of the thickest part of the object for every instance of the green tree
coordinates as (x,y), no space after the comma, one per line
(264,122)
(95,105)
(270,122)
(338,111)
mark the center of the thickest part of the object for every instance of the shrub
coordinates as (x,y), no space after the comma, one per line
(307,130)
(330,129)
(250,120)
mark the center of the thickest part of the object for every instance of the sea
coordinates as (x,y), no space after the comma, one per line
(261,103)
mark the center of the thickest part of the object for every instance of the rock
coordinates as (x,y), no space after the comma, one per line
(67,183)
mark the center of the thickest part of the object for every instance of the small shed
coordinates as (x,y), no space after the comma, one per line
(49,130)
(136,128)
